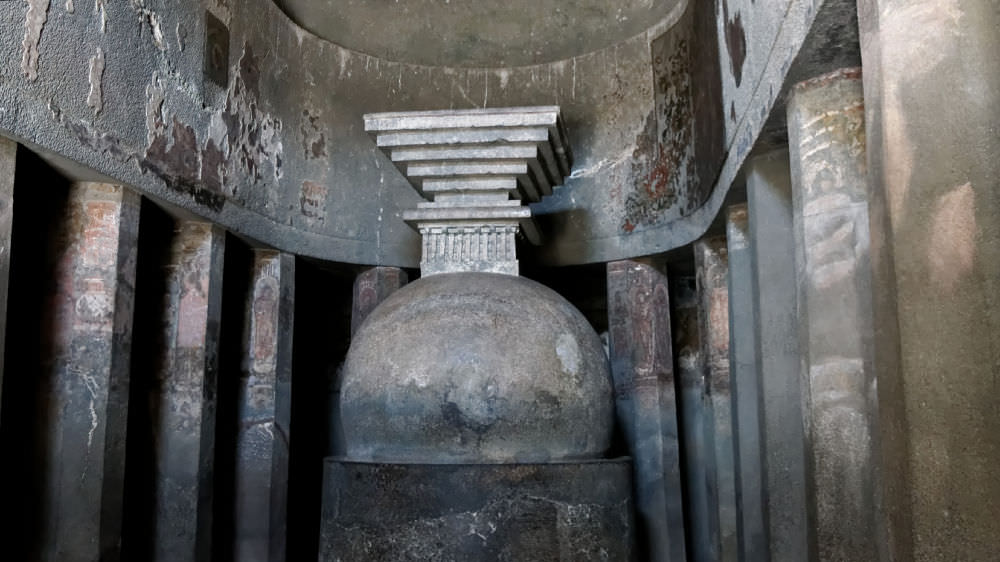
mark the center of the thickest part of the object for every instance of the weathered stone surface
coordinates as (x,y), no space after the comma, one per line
(711,274)
(264,410)
(371,287)
(183,397)
(458,512)
(8,166)
(701,517)
(283,164)
(932,108)
(643,372)
(769,199)
(92,289)
(745,387)
(476,367)
(827,150)
(489,246)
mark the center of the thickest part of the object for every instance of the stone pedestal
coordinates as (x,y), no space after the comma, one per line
(577,511)
(478,168)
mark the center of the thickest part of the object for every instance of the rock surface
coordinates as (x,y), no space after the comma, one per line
(476,367)
(575,511)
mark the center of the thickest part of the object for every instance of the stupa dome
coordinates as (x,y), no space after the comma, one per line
(476,367)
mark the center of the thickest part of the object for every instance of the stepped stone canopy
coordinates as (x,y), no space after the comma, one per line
(478,167)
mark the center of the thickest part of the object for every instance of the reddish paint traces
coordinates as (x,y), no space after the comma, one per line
(100,233)
(639,326)
(312,200)
(264,338)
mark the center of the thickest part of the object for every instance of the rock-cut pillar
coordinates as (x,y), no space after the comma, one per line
(712,276)
(264,406)
(744,376)
(643,372)
(371,287)
(184,396)
(87,374)
(932,122)
(826,140)
(769,199)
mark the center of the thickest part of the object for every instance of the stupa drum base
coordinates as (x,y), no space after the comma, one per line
(390,512)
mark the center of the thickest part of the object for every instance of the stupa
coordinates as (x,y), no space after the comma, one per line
(477,405)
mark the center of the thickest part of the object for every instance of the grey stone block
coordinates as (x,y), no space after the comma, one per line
(578,511)
(471,162)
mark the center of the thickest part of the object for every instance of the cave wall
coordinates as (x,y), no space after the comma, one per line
(235,114)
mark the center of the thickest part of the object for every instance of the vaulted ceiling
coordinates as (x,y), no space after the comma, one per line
(477,33)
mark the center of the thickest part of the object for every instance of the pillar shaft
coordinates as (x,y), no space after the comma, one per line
(833,273)
(8,166)
(711,269)
(769,200)
(87,374)
(264,410)
(701,516)
(642,368)
(184,396)
(745,388)
(371,287)
(932,111)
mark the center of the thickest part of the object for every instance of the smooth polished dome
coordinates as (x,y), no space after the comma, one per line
(476,367)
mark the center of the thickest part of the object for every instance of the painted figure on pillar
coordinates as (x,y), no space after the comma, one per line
(264,324)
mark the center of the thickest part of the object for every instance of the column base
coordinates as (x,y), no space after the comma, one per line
(546,511)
